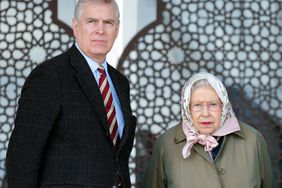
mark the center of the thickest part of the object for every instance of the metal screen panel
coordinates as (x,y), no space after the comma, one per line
(238,41)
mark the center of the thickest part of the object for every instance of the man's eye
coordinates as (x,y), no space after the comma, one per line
(109,23)
(92,21)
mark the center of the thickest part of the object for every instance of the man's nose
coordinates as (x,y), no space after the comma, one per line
(100,28)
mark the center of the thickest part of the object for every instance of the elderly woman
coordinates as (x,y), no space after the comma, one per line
(210,147)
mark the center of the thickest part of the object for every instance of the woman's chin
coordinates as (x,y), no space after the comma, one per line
(206,130)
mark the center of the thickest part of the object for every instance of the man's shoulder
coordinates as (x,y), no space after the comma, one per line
(55,62)
(50,69)
(117,73)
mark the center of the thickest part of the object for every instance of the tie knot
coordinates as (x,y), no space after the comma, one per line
(101,70)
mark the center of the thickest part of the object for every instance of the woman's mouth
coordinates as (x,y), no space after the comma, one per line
(206,123)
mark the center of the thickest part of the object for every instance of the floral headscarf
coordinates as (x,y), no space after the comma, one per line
(229,122)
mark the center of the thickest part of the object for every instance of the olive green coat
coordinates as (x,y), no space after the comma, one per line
(243,161)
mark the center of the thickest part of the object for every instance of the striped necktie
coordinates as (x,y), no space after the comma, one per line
(109,105)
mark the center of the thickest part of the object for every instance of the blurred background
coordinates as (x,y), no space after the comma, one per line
(160,45)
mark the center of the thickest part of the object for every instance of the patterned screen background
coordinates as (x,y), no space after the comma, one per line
(238,41)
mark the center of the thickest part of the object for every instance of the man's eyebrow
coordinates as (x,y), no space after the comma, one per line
(103,20)
(91,17)
(109,20)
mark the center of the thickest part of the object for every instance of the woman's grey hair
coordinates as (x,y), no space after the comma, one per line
(80,3)
(200,83)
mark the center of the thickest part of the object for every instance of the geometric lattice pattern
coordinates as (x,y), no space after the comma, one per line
(238,41)
(29,34)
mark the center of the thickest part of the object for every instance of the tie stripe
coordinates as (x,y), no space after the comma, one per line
(109,105)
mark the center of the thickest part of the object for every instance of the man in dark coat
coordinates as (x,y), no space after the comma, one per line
(63,135)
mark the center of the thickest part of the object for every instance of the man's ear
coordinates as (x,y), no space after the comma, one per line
(74,26)
(117,30)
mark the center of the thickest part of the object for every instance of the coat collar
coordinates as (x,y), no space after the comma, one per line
(120,88)
(91,89)
(88,84)
(179,138)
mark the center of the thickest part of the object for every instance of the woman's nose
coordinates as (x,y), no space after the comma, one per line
(205,111)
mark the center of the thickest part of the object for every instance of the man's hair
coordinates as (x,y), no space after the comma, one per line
(80,3)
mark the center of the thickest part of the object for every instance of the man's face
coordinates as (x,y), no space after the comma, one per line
(96,30)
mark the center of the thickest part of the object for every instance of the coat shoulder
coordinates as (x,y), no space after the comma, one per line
(117,73)
(251,135)
(171,136)
(249,131)
(52,65)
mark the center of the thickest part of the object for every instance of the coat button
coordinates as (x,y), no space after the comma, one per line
(221,171)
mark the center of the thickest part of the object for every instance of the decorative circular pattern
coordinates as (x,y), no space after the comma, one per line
(238,41)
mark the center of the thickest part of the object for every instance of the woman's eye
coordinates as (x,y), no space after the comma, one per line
(213,104)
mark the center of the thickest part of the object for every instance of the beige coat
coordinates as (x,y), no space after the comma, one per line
(242,162)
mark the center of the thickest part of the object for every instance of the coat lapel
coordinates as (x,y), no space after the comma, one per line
(200,149)
(89,85)
(123,102)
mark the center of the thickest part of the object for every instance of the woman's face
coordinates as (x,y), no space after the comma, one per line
(205,108)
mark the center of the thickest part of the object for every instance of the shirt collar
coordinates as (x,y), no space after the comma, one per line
(93,64)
